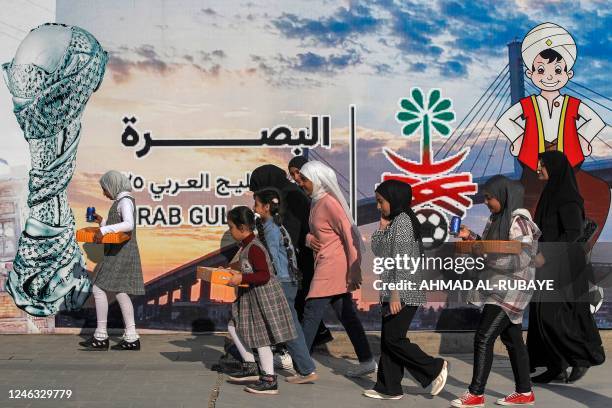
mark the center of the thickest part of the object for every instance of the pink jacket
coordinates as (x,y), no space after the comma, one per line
(340,253)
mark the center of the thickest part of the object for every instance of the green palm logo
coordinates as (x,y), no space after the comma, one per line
(420,112)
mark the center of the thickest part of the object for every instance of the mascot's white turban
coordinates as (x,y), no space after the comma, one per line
(545,36)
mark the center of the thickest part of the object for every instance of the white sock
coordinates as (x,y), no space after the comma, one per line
(101,302)
(266,360)
(244,353)
(127,310)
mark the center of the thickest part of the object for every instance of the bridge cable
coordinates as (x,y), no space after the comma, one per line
(589,99)
(506,92)
(503,89)
(589,89)
(503,71)
(499,134)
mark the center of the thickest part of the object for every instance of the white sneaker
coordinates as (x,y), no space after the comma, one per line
(438,384)
(377,395)
(362,369)
(283,361)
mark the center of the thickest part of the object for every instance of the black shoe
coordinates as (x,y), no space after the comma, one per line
(227,364)
(267,384)
(127,345)
(322,337)
(577,373)
(247,372)
(549,375)
(93,343)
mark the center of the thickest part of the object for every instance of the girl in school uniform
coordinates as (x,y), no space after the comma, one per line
(119,270)
(277,241)
(261,316)
(338,245)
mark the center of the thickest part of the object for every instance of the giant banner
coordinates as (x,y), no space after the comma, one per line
(196,95)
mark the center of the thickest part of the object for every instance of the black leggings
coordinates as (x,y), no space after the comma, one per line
(494,322)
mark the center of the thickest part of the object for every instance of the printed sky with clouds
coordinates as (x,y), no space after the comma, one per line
(220,69)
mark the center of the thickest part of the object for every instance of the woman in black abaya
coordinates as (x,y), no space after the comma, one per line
(562,332)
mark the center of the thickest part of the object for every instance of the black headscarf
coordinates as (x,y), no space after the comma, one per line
(561,187)
(510,195)
(297,162)
(399,196)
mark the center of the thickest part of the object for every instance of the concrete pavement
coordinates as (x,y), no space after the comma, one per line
(174,371)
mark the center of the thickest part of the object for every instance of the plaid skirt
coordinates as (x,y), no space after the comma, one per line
(262,316)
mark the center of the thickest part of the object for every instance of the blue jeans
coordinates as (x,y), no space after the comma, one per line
(297,347)
(345,311)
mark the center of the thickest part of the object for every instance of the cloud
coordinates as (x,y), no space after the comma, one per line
(453,69)
(418,67)
(484,28)
(383,69)
(219,53)
(209,12)
(146,58)
(312,62)
(414,25)
(342,25)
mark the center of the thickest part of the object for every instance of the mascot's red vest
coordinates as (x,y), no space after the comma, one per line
(567,136)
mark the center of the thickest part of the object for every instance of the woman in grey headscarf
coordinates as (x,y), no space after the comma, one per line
(119,270)
(502,312)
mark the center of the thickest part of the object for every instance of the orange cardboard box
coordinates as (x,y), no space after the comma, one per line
(87,235)
(215,276)
(490,247)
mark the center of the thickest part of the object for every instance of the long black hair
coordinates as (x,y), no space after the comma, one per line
(242,215)
(272,197)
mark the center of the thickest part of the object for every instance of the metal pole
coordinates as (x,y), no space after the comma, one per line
(353,165)
(517,84)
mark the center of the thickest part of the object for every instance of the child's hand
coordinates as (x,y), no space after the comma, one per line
(98,236)
(464,232)
(97,218)
(235,280)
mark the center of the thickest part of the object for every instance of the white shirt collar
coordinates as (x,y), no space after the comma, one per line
(122,194)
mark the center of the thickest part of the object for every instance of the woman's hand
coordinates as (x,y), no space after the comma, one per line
(464,232)
(354,280)
(98,236)
(235,280)
(395,305)
(384,223)
(539,260)
(97,218)
(315,244)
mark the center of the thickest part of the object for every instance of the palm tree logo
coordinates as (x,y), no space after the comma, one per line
(423,113)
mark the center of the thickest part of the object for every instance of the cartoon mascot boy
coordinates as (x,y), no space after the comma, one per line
(551,120)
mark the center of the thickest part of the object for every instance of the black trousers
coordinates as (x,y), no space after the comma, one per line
(494,322)
(397,353)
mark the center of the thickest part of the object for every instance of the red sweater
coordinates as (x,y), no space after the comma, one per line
(257,259)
